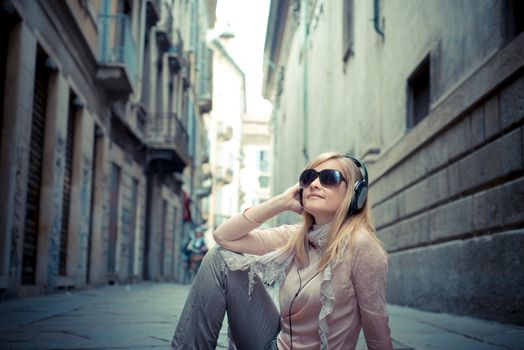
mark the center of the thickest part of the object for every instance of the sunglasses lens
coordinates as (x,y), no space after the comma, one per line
(330,178)
(307,177)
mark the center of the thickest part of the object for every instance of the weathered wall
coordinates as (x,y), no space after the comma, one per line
(447,193)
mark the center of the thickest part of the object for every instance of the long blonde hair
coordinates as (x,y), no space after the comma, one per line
(343,227)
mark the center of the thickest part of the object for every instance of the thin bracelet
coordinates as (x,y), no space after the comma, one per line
(248,219)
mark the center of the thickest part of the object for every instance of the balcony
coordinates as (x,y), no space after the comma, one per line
(163,37)
(204,190)
(224,131)
(223,175)
(205,103)
(116,55)
(175,57)
(164,31)
(206,171)
(153,13)
(167,141)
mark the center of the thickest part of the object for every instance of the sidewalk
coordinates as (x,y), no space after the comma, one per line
(144,316)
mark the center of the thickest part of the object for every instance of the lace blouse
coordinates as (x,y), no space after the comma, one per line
(331,306)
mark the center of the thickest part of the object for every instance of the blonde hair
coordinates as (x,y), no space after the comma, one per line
(343,227)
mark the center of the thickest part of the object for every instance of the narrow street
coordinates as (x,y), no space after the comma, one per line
(132,130)
(143,316)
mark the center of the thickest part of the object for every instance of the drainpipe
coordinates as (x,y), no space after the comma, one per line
(193,133)
(376,18)
(305,85)
(140,47)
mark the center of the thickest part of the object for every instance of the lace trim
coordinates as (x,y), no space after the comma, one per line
(271,270)
(327,299)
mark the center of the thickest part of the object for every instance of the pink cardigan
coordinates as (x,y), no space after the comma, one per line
(358,283)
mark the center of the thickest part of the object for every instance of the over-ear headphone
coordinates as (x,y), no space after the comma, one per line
(360,189)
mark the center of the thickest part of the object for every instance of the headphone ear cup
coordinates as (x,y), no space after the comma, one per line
(362,194)
(359,197)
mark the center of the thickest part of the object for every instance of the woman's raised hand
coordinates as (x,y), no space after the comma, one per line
(291,198)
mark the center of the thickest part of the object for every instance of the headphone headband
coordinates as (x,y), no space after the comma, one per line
(361,167)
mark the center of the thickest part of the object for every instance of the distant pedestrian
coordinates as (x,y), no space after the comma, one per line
(186,257)
(331,270)
(198,249)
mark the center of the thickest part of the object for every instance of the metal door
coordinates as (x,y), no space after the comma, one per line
(162,243)
(132,228)
(95,155)
(36,149)
(175,243)
(113,218)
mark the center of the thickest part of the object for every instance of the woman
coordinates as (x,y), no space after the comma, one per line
(331,270)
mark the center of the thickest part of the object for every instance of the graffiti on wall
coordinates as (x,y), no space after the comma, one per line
(56,204)
(106,212)
(142,223)
(124,243)
(85,207)
(14,260)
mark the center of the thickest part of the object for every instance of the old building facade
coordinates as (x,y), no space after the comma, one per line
(101,123)
(430,94)
(225,132)
(255,169)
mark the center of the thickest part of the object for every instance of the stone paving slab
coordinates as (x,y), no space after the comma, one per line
(144,316)
(486,333)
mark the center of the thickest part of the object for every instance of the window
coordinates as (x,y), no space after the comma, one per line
(7,23)
(347,27)
(514,13)
(263,164)
(263,181)
(418,93)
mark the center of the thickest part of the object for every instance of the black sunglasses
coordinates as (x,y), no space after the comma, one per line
(328,177)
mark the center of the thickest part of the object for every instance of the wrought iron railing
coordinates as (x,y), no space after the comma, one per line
(116,44)
(166,129)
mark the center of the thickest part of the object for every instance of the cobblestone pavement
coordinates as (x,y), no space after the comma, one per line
(143,316)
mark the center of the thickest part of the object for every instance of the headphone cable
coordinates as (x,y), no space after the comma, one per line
(300,287)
